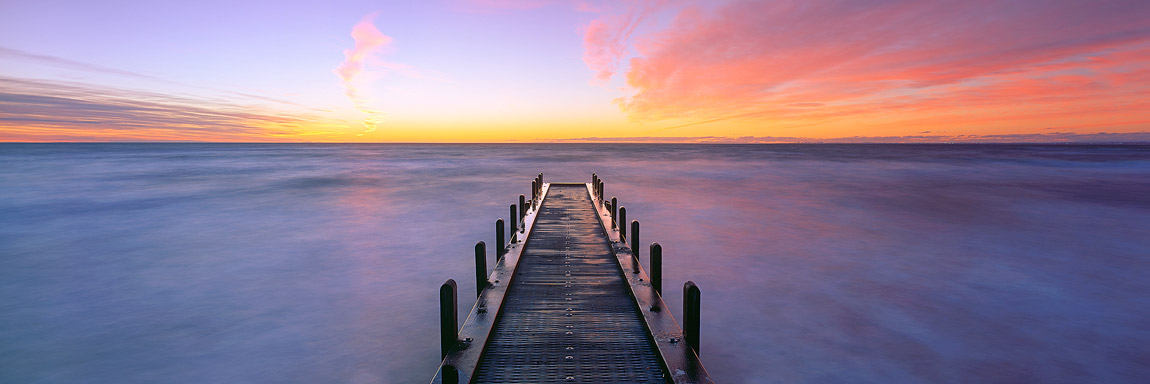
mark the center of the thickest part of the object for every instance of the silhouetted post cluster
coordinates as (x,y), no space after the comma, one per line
(597,188)
(538,186)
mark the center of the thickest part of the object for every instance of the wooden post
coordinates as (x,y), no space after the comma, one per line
(448,317)
(522,207)
(623,224)
(534,190)
(614,208)
(657,268)
(514,227)
(480,268)
(600,194)
(608,206)
(635,237)
(691,315)
(450,374)
(635,246)
(500,245)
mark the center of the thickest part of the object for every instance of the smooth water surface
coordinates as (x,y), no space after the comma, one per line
(321,263)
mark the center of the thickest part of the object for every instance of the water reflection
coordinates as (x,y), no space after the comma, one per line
(818,263)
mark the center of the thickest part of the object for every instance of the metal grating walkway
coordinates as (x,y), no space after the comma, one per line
(569,316)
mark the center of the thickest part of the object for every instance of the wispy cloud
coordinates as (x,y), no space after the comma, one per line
(10,53)
(368,40)
(59,62)
(32,110)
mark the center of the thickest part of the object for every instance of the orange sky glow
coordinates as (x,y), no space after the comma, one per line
(583,71)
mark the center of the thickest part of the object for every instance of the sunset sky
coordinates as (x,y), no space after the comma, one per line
(539,70)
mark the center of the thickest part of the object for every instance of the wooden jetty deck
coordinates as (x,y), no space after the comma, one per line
(568,301)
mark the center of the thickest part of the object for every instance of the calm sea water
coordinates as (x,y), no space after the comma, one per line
(316,263)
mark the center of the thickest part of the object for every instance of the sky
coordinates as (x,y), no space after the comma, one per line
(575,71)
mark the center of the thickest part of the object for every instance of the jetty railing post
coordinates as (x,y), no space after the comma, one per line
(448,317)
(500,245)
(480,268)
(691,315)
(534,191)
(450,374)
(623,224)
(522,207)
(607,205)
(600,191)
(634,236)
(614,208)
(514,227)
(657,268)
(635,245)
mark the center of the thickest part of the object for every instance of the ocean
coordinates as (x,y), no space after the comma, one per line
(818,263)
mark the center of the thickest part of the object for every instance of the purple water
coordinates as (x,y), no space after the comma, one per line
(250,263)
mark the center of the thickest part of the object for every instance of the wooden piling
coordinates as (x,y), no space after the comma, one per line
(480,268)
(614,209)
(635,246)
(623,224)
(450,374)
(635,237)
(609,208)
(657,268)
(514,223)
(500,245)
(691,315)
(448,317)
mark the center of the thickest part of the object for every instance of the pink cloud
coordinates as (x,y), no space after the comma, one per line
(777,60)
(601,50)
(368,40)
(605,38)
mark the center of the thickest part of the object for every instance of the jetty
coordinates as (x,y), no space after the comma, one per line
(568,300)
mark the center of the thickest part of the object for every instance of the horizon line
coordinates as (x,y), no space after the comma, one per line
(598,142)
